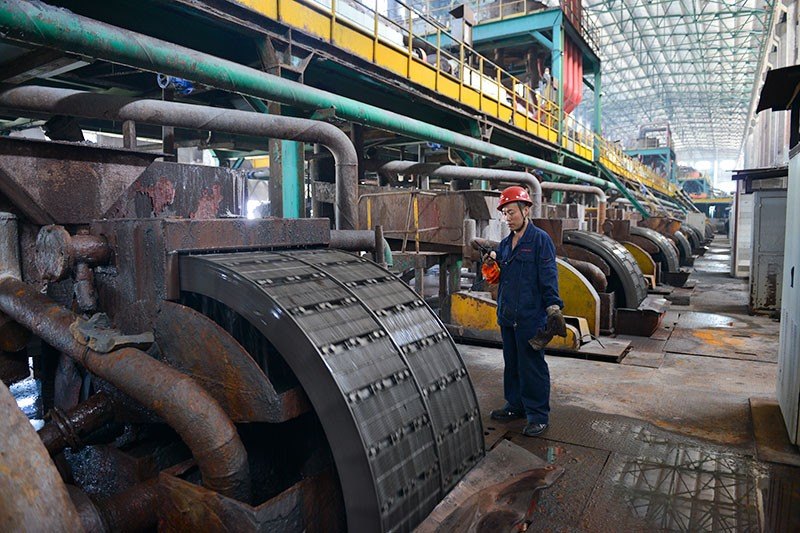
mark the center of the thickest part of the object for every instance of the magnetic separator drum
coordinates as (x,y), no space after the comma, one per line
(694,235)
(684,248)
(668,253)
(383,375)
(627,280)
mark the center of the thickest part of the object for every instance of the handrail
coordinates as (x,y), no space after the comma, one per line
(424,41)
(472,70)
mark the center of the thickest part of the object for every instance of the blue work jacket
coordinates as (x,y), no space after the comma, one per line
(528,280)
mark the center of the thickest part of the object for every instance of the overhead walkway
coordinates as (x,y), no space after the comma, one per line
(420,51)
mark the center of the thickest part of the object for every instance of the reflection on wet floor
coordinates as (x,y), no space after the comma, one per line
(690,489)
(622,474)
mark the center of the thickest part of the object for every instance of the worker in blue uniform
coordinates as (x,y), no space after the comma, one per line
(528,312)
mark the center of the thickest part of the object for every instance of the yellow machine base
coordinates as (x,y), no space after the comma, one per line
(473,317)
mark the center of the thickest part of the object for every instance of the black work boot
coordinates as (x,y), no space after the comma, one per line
(507,413)
(533,429)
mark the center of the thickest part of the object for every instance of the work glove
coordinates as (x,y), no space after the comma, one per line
(555,326)
(490,270)
(555,321)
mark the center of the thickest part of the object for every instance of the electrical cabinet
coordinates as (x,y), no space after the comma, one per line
(769,227)
(788,388)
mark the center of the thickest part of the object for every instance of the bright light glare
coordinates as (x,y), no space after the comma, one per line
(252,208)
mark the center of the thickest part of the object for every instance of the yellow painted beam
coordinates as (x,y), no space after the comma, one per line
(375,39)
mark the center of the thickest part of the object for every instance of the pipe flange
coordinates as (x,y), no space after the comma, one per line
(66,428)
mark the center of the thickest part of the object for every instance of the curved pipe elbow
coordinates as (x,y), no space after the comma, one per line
(175,397)
(190,116)
(590,272)
(455,172)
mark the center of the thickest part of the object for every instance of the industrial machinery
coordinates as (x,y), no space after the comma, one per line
(201,368)
(600,279)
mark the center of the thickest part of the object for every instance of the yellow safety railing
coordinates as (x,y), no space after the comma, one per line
(615,159)
(418,49)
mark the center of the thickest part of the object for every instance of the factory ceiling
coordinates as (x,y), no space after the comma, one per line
(691,63)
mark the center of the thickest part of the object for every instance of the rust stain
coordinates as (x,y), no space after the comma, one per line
(161,194)
(208,206)
(718,338)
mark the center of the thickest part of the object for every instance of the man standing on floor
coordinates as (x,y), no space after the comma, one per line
(528,311)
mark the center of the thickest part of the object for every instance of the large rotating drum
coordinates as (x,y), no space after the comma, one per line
(695,236)
(684,248)
(383,375)
(667,254)
(626,280)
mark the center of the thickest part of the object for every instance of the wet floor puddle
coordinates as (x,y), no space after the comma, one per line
(673,486)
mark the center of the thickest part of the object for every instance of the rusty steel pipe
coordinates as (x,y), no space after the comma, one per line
(32,495)
(134,509)
(9,245)
(90,249)
(590,272)
(204,118)
(66,429)
(58,254)
(602,200)
(455,172)
(354,240)
(174,396)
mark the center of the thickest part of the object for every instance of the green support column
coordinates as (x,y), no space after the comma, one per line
(597,125)
(286,192)
(286,176)
(454,276)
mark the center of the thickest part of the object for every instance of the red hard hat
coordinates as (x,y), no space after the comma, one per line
(515,193)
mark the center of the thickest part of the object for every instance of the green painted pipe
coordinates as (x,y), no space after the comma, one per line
(39,24)
(627,193)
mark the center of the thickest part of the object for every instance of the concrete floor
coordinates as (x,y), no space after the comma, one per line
(663,440)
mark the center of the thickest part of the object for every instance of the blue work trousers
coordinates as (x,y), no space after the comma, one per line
(526,378)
